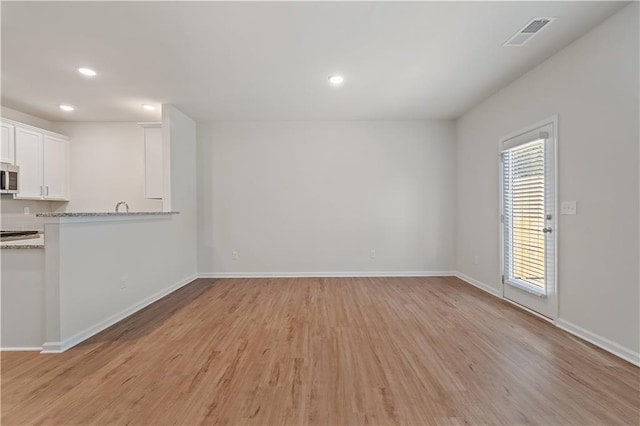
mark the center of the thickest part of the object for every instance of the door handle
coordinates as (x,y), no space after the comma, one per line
(547,230)
(47,194)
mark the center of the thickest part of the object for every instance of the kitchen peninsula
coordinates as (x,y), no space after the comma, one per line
(37,283)
(103,214)
(90,267)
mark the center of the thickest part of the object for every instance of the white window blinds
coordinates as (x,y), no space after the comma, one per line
(523,218)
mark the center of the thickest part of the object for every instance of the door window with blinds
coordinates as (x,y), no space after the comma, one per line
(527,181)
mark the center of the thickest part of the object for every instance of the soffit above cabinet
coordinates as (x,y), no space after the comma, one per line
(35,129)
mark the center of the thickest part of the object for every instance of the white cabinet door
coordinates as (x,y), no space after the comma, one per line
(29,158)
(56,166)
(153,162)
(7,154)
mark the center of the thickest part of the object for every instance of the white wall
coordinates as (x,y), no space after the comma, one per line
(22,300)
(107,166)
(593,86)
(151,254)
(12,216)
(316,197)
(87,258)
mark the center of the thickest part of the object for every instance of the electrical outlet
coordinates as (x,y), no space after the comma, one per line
(372,254)
(234,255)
(27,210)
(123,283)
(476,260)
(568,207)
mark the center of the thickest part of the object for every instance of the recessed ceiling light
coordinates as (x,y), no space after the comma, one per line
(148,107)
(67,108)
(87,71)
(336,79)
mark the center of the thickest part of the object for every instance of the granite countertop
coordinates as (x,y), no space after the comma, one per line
(30,242)
(89,214)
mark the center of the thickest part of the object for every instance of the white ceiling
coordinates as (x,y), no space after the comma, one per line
(270,61)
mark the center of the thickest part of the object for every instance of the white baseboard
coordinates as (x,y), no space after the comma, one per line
(326,274)
(479,284)
(51,348)
(599,341)
(57,347)
(21,349)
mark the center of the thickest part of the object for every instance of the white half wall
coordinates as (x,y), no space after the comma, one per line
(593,87)
(102,269)
(318,197)
(107,268)
(107,166)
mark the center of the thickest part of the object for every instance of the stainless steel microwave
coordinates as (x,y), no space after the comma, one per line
(9,178)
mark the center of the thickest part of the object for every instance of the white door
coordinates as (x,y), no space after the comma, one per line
(29,159)
(7,151)
(529,218)
(56,157)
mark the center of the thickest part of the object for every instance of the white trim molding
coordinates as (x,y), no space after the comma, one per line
(51,348)
(482,286)
(601,342)
(21,349)
(58,347)
(34,128)
(326,274)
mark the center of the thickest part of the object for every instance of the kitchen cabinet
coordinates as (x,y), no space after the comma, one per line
(56,168)
(152,160)
(29,159)
(7,151)
(44,165)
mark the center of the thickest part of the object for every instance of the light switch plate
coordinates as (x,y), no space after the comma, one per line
(568,207)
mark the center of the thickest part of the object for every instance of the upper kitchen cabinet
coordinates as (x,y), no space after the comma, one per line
(43,158)
(30,160)
(152,160)
(56,168)
(7,153)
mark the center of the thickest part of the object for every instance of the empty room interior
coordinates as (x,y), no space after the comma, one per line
(320,213)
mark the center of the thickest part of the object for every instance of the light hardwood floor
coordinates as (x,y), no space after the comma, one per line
(324,351)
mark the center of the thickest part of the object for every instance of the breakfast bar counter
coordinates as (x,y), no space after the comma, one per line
(102,214)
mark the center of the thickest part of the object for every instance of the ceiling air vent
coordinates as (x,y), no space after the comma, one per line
(532,28)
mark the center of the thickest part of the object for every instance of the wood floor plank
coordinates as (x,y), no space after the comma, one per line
(324,351)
